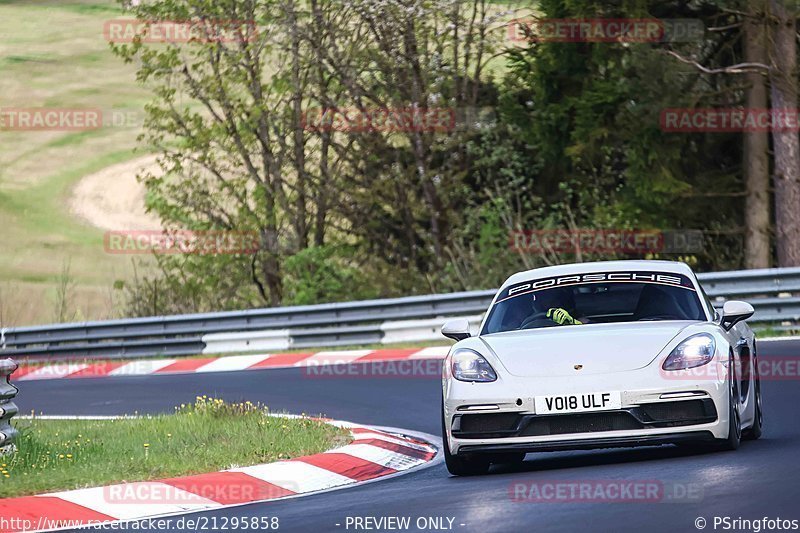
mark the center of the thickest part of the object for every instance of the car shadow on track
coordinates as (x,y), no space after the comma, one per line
(545,461)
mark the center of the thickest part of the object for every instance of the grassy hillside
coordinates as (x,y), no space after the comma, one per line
(52,54)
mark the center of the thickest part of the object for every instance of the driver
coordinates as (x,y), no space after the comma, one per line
(555,304)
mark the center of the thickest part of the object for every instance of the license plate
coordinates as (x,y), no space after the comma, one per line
(577,403)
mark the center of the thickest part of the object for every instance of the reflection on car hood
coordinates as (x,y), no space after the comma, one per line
(600,348)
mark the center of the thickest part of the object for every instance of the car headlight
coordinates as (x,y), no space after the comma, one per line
(695,351)
(469,365)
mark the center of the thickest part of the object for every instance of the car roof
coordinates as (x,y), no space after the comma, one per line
(675,267)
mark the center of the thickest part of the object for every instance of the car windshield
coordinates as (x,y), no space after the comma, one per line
(603,297)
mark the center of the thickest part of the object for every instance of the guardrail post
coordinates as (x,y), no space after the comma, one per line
(7,407)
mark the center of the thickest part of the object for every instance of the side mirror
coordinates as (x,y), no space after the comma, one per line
(734,312)
(456,329)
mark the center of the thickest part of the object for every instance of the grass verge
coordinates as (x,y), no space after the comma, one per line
(53,54)
(207,436)
(772,332)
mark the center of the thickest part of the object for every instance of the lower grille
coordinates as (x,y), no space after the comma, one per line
(673,410)
(581,423)
(683,413)
(489,423)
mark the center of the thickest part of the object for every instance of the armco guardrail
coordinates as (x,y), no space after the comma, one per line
(745,283)
(354,322)
(775,294)
(7,407)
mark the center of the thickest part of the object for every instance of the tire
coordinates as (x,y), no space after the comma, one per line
(754,432)
(734,420)
(462,465)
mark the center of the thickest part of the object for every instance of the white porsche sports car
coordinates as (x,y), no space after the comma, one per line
(598,355)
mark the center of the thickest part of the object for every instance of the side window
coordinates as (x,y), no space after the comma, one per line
(709,303)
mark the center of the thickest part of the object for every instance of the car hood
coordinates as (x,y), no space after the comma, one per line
(600,348)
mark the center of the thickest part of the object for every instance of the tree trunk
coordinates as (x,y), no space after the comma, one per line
(299,139)
(783,61)
(756,149)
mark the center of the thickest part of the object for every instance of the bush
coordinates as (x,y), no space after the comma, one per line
(324,274)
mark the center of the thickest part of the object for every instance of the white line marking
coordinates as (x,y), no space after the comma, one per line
(232,363)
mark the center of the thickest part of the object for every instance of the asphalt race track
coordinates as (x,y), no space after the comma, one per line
(761,479)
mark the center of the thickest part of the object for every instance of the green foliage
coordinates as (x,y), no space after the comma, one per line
(324,274)
(572,140)
(592,113)
(192,283)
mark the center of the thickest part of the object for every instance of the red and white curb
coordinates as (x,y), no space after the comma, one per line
(374,453)
(233,363)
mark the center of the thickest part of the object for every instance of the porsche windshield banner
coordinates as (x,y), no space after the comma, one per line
(658,278)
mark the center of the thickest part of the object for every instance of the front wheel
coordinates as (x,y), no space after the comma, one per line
(734,420)
(756,430)
(462,465)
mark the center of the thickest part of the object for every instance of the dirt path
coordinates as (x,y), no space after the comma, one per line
(112,199)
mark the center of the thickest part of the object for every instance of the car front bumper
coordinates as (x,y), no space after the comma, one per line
(652,413)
